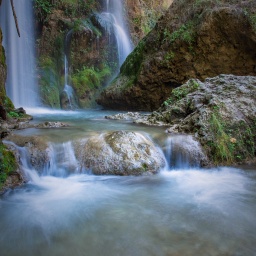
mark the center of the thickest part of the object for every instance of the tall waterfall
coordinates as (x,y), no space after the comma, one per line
(114,12)
(21,82)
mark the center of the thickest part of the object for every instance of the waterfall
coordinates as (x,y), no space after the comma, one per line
(68,89)
(114,15)
(183,152)
(62,160)
(21,82)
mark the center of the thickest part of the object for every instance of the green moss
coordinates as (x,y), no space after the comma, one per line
(133,62)
(186,33)
(89,79)
(7,163)
(182,91)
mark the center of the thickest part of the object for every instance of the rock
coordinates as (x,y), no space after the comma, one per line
(51,125)
(192,40)
(142,16)
(221,113)
(127,116)
(20,111)
(120,153)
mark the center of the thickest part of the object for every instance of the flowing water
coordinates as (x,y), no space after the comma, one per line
(183,210)
(21,82)
(113,18)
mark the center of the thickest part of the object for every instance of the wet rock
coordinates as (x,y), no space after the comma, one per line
(51,125)
(120,153)
(127,116)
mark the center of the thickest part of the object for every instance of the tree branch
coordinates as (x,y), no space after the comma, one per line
(15,18)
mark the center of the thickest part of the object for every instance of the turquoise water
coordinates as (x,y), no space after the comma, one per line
(176,212)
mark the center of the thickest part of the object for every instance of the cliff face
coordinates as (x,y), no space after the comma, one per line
(89,48)
(143,14)
(192,40)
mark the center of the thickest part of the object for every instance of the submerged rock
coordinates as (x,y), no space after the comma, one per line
(120,153)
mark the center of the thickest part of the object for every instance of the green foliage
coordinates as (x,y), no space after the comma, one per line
(89,79)
(231,143)
(7,163)
(8,104)
(13,114)
(182,91)
(42,9)
(185,33)
(221,146)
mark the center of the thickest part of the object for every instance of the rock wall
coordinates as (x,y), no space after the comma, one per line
(143,14)
(77,33)
(192,40)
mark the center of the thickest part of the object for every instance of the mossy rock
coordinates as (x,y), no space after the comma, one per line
(8,163)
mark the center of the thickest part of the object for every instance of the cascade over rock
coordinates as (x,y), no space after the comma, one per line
(36,147)
(192,40)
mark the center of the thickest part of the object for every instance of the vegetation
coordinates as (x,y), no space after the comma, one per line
(88,79)
(72,8)
(49,82)
(132,64)
(182,91)
(231,143)
(186,32)
(7,163)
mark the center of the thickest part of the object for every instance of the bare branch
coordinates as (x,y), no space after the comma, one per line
(15,18)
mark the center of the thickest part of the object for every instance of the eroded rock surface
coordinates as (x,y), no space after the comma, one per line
(221,113)
(120,153)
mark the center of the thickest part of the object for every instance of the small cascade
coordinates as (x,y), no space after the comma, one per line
(62,160)
(21,81)
(25,162)
(112,20)
(183,152)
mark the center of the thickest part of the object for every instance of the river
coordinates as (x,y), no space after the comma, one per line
(180,211)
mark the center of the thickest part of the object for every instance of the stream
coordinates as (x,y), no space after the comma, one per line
(183,210)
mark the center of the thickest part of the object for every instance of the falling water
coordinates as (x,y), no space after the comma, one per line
(183,152)
(68,89)
(21,82)
(114,13)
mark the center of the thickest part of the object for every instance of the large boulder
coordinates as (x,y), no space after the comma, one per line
(120,153)
(220,113)
(193,40)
